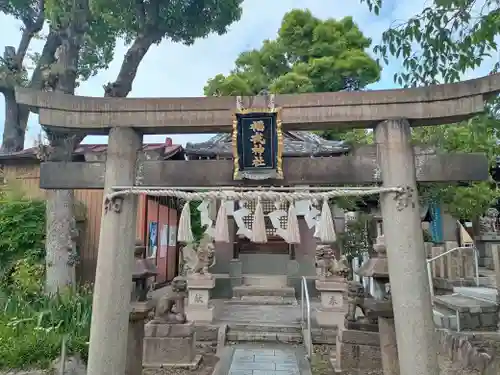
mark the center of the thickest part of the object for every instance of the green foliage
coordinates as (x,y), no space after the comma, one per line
(355,241)
(33,325)
(479,134)
(442,41)
(438,45)
(99,38)
(196,226)
(22,224)
(25,277)
(309,55)
(179,21)
(32,328)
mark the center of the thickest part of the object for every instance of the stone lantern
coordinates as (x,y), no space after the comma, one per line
(140,307)
(144,269)
(379,305)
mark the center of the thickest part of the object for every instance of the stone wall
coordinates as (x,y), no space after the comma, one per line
(484,320)
(472,351)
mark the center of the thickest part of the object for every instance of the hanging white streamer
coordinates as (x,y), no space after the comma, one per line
(229,207)
(312,217)
(275,216)
(205,219)
(238,216)
(302,207)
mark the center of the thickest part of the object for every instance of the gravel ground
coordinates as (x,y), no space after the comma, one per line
(320,365)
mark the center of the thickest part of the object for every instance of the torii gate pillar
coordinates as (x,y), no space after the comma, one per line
(405,251)
(113,282)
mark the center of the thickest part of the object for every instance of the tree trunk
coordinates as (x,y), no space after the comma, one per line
(14,130)
(60,242)
(62,234)
(61,224)
(16,117)
(122,86)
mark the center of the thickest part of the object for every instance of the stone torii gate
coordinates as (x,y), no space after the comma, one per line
(391,113)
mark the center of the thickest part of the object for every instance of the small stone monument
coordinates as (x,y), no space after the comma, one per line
(170,340)
(331,284)
(200,281)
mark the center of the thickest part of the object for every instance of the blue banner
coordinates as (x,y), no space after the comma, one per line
(257,143)
(436,223)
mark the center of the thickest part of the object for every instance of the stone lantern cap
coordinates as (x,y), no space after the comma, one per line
(144,269)
(378,266)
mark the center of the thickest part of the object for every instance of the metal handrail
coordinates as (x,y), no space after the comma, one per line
(306,324)
(476,264)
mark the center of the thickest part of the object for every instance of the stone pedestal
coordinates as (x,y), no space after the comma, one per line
(135,341)
(331,312)
(357,351)
(485,244)
(199,308)
(170,345)
(235,272)
(388,346)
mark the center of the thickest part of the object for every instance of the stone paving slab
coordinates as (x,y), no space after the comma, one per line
(250,359)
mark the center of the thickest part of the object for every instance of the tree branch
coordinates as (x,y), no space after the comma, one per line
(122,86)
(32,26)
(140,13)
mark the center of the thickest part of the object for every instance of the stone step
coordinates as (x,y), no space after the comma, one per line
(264,332)
(254,290)
(460,303)
(482,293)
(270,337)
(471,314)
(265,327)
(251,279)
(444,319)
(262,300)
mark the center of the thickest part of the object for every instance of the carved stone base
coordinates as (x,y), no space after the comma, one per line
(199,308)
(170,345)
(200,314)
(332,310)
(330,318)
(357,350)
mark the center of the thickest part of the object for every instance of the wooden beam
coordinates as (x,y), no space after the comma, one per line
(345,170)
(430,105)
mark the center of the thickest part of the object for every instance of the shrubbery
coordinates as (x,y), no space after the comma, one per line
(33,325)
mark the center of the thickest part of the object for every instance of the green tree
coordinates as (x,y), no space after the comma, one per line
(149,23)
(95,53)
(479,134)
(439,44)
(308,55)
(81,41)
(144,23)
